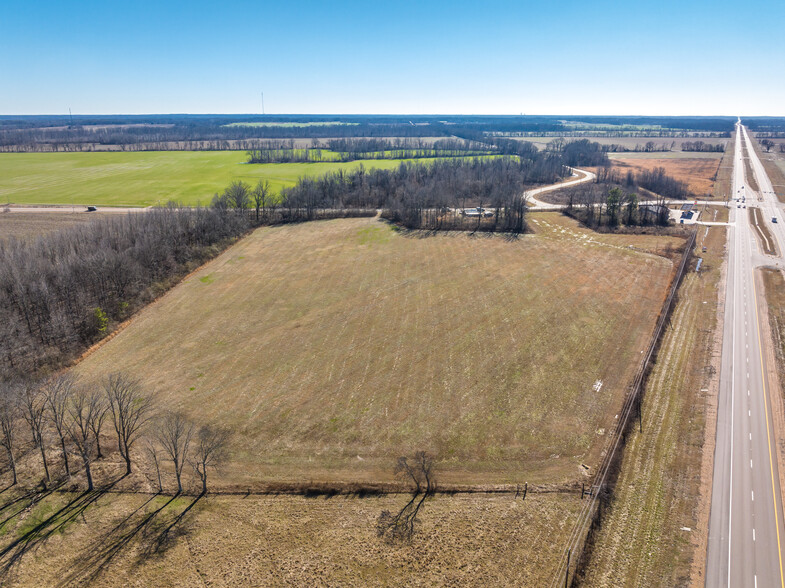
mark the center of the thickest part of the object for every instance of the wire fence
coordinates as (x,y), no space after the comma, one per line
(589,519)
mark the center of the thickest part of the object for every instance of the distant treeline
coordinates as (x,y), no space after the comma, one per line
(178,132)
(368,148)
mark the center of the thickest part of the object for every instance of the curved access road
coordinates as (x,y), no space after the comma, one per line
(585,176)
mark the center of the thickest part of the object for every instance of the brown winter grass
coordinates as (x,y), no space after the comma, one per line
(122,540)
(331,348)
(656,529)
(698,173)
(26,226)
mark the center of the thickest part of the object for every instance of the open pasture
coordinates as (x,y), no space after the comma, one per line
(122,540)
(145,178)
(331,348)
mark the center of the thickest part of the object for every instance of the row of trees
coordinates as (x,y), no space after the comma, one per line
(655,180)
(62,292)
(610,206)
(368,148)
(702,146)
(59,412)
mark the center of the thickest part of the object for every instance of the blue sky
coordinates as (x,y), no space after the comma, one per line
(494,57)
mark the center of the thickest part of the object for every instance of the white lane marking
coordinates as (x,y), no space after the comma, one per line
(753,534)
(750,436)
(749,413)
(753,496)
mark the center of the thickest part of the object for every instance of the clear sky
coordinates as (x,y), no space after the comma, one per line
(430,57)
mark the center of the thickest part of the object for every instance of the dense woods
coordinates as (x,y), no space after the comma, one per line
(62,292)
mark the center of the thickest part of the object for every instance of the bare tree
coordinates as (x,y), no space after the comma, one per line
(210,451)
(152,451)
(418,472)
(57,392)
(33,411)
(174,435)
(261,193)
(238,195)
(83,410)
(101,409)
(9,415)
(130,412)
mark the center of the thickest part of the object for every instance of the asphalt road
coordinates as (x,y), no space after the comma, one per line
(746,531)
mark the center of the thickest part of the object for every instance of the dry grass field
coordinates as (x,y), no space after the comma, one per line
(122,540)
(698,173)
(332,348)
(23,225)
(655,531)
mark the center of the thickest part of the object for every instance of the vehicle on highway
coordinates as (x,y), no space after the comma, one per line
(92,208)
(774,219)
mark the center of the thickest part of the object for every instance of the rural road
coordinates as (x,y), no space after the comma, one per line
(69,209)
(585,176)
(746,531)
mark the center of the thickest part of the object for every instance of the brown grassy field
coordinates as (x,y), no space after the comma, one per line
(665,480)
(331,348)
(121,540)
(722,185)
(23,225)
(698,173)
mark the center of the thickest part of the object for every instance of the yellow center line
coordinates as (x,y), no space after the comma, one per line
(768,434)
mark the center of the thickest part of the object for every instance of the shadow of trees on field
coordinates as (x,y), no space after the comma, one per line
(155,531)
(32,538)
(155,528)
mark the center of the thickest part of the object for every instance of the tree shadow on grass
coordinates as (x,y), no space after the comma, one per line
(155,530)
(41,531)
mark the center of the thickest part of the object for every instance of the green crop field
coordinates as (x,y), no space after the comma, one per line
(145,178)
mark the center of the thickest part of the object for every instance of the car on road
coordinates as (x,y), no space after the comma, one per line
(774,219)
(92,208)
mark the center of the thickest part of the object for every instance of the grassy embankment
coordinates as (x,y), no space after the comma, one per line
(146,178)
(766,241)
(655,531)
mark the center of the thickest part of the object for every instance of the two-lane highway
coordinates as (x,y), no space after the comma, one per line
(746,529)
